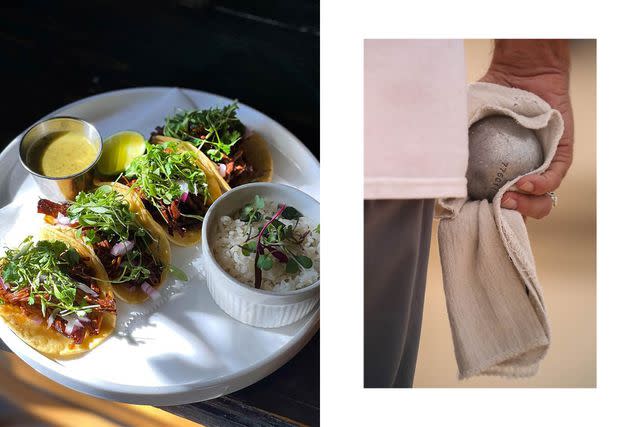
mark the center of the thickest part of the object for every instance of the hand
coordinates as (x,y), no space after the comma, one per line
(551,83)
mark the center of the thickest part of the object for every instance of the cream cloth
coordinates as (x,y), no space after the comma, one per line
(496,310)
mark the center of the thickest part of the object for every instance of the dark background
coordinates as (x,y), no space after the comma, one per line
(264,53)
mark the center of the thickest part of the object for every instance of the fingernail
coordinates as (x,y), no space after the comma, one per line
(526,186)
(509,204)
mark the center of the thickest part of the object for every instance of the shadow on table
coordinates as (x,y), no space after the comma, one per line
(28,398)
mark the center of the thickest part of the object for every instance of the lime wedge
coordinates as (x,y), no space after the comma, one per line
(119,150)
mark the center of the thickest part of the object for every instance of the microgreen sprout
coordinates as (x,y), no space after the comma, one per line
(107,211)
(160,172)
(250,213)
(105,215)
(275,241)
(214,131)
(43,268)
(178,274)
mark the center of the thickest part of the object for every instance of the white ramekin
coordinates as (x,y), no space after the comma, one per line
(252,306)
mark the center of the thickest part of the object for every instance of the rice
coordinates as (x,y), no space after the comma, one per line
(231,233)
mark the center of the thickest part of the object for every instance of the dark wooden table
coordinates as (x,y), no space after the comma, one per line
(266,54)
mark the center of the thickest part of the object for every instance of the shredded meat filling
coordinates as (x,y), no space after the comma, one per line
(80,272)
(174,214)
(102,249)
(112,264)
(52,209)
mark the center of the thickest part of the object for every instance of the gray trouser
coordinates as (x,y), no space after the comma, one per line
(397,235)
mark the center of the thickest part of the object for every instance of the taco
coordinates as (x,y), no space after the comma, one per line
(132,249)
(172,186)
(55,296)
(237,155)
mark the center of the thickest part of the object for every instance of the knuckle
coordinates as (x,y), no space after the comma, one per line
(550,182)
(540,215)
(524,207)
(545,208)
(536,207)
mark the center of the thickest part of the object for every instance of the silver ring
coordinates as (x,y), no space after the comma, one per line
(554,198)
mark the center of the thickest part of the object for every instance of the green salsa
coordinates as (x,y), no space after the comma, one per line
(61,154)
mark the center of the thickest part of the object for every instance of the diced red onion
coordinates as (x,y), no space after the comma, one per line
(184,186)
(36,319)
(86,289)
(149,290)
(184,196)
(81,315)
(222,168)
(52,317)
(4,285)
(121,248)
(72,326)
(64,220)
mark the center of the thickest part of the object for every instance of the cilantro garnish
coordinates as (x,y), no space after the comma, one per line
(178,273)
(214,131)
(161,170)
(105,215)
(107,211)
(44,267)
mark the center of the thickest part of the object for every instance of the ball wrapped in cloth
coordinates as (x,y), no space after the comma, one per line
(500,150)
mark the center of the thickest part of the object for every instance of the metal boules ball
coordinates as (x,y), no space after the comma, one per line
(500,150)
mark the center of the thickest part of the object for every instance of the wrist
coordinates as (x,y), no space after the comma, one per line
(530,58)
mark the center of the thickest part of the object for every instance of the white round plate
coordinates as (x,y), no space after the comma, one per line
(182,348)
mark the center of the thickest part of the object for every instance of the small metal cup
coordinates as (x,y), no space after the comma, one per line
(65,187)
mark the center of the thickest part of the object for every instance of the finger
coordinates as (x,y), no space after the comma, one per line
(550,179)
(528,205)
(540,184)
